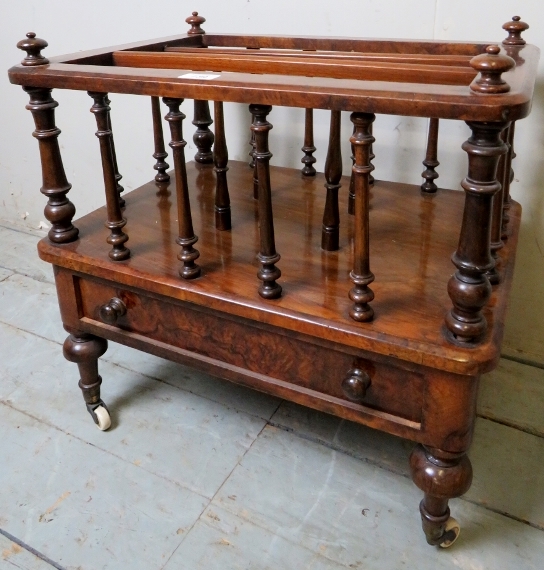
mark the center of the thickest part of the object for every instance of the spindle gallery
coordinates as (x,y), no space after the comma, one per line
(336,292)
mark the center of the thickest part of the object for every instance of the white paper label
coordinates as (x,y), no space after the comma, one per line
(198,76)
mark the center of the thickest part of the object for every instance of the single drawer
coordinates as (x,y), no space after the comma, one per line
(262,350)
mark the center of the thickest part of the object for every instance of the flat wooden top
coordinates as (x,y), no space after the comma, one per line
(415,78)
(412,237)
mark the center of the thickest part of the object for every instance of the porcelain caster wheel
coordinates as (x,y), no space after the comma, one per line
(101,415)
(451,533)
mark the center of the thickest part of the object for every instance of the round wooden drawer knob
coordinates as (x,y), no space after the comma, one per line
(112,310)
(355,385)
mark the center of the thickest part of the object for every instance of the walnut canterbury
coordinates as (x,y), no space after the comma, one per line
(403,356)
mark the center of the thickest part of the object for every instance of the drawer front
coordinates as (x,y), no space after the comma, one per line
(249,346)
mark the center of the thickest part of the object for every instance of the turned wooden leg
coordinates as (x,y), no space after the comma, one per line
(85,350)
(203,137)
(59,211)
(469,288)
(441,476)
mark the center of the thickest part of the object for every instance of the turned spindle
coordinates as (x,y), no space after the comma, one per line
(372,156)
(496,216)
(469,288)
(253,163)
(187,238)
(431,162)
(160,154)
(361,276)
(251,153)
(508,179)
(308,149)
(491,66)
(330,233)
(59,211)
(267,256)
(351,193)
(115,222)
(515,28)
(203,137)
(221,158)
(118,176)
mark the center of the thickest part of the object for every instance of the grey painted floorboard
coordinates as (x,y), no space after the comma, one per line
(84,508)
(514,394)
(15,557)
(524,330)
(175,434)
(19,254)
(348,512)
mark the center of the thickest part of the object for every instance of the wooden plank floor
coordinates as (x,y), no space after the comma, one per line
(197,473)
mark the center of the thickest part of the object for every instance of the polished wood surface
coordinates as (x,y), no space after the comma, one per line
(390,80)
(411,278)
(429,59)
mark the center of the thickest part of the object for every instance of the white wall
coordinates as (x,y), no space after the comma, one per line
(69,26)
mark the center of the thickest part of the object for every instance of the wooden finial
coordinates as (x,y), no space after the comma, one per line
(514,28)
(195,20)
(491,65)
(33,47)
